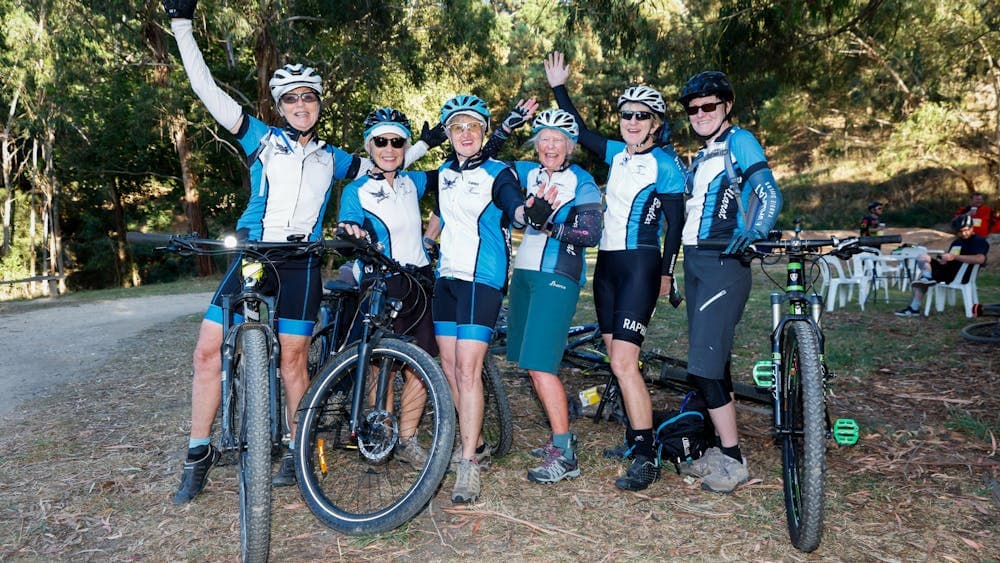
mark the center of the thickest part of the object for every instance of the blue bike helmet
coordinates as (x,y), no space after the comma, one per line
(465,104)
(387,120)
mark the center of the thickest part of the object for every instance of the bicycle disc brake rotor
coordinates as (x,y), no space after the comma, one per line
(379,435)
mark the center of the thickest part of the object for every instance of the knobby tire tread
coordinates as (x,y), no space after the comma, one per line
(985,332)
(804,454)
(255,459)
(352,498)
(498,421)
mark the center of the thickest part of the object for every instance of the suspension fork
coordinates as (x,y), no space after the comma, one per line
(368,335)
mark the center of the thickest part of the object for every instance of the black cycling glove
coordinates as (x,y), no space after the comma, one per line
(433,136)
(182,9)
(538,214)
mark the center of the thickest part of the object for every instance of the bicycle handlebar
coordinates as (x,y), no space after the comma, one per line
(848,245)
(194,244)
(374,252)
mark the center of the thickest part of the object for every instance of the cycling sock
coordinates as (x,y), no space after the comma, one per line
(196,442)
(629,436)
(564,443)
(644,442)
(733,452)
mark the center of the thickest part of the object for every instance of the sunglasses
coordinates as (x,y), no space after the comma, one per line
(396,142)
(306,97)
(638,115)
(707,108)
(473,126)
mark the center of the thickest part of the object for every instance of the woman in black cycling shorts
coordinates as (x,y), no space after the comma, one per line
(645,185)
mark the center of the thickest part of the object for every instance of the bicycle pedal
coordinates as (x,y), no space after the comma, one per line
(846,431)
(763,374)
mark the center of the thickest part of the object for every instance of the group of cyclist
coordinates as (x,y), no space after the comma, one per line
(729,194)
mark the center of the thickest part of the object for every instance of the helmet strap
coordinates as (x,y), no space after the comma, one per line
(294,134)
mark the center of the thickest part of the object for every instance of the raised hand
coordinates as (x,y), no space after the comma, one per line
(556,69)
(180,9)
(520,114)
(433,136)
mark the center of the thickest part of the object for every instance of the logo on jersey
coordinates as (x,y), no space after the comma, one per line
(634,326)
(727,199)
(380,195)
(449,183)
(653,212)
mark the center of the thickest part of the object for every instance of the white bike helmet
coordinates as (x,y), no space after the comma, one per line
(556,119)
(290,77)
(646,96)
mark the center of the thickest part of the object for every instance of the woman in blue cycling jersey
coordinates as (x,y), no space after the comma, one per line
(645,186)
(479,200)
(733,197)
(549,271)
(291,176)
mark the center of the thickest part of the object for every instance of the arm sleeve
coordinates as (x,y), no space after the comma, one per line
(585,230)
(223,108)
(761,197)
(494,144)
(350,205)
(414,153)
(508,197)
(673,209)
(588,139)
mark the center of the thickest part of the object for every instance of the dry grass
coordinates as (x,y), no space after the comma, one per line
(88,473)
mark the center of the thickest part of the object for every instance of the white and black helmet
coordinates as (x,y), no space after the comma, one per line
(556,119)
(646,96)
(290,77)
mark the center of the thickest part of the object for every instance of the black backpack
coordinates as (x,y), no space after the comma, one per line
(684,434)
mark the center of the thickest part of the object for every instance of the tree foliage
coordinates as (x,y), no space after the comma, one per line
(102,134)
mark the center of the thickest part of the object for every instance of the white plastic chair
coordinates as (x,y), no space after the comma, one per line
(835,279)
(865,267)
(908,255)
(947,291)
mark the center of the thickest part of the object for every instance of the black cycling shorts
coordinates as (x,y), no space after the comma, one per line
(626,287)
(716,289)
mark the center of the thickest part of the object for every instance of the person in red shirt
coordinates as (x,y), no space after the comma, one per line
(985,220)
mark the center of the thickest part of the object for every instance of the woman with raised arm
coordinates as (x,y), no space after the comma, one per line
(291,176)
(733,197)
(549,270)
(645,186)
(479,199)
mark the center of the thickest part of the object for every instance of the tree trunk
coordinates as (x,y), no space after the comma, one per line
(127,275)
(266,55)
(190,202)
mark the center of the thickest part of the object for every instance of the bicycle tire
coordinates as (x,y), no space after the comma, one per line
(498,422)
(985,332)
(255,445)
(344,487)
(803,449)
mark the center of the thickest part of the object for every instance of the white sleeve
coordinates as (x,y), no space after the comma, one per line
(223,108)
(414,153)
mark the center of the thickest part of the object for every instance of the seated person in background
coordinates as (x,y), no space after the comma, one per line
(871,224)
(968,248)
(984,219)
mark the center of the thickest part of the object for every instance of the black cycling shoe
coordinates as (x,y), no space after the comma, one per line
(642,473)
(195,475)
(621,452)
(285,476)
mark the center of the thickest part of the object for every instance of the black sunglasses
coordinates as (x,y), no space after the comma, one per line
(306,97)
(638,115)
(381,142)
(707,108)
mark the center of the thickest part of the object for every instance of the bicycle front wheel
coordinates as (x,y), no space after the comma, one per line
(253,398)
(498,423)
(362,484)
(803,447)
(986,332)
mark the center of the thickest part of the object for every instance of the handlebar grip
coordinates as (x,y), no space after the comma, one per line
(875,241)
(713,244)
(150,238)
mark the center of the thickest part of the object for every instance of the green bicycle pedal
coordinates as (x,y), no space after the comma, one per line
(846,431)
(763,374)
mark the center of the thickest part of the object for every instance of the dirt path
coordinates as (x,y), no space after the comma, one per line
(42,348)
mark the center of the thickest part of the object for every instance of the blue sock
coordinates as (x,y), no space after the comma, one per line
(197,442)
(564,443)
(915,305)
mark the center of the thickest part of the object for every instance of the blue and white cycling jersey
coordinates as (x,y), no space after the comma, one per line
(290,184)
(716,209)
(633,217)
(565,251)
(391,213)
(476,207)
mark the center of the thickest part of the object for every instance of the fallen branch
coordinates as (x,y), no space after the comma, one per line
(532,525)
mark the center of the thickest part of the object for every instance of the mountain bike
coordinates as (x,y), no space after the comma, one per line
(338,313)
(376,395)
(251,422)
(984,331)
(797,375)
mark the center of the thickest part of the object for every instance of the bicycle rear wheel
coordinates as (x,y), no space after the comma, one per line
(354,484)
(803,447)
(987,332)
(254,453)
(498,423)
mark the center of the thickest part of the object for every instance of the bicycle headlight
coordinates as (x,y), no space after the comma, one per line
(230,241)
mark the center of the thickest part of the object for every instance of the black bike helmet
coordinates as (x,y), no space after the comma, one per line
(387,119)
(705,84)
(874,204)
(961,222)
